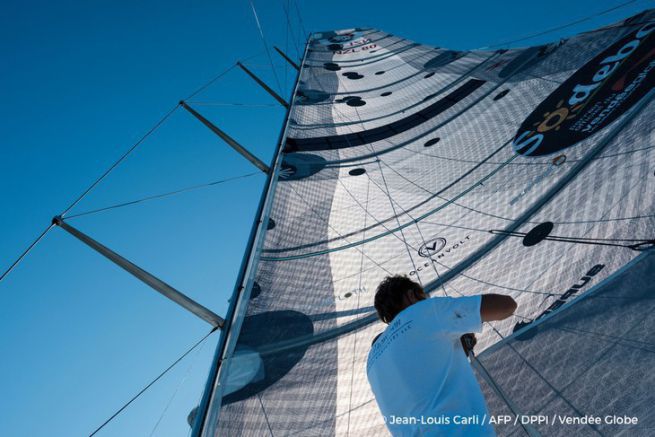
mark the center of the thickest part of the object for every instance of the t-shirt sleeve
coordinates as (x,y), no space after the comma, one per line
(457,315)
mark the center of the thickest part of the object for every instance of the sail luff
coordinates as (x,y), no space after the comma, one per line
(207,415)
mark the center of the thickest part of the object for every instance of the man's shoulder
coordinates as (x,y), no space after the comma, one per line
(430,304)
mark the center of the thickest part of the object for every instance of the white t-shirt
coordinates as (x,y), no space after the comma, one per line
(420,375)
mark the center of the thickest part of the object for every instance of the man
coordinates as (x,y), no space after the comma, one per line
(418,367)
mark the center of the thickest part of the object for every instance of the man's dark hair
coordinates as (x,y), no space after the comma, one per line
(390,296)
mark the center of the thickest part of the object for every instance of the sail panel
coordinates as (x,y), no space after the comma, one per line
(402,158)
(592,358)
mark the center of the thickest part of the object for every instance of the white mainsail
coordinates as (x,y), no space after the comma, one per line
(525,172)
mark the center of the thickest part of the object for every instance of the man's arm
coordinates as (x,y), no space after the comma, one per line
(496,307)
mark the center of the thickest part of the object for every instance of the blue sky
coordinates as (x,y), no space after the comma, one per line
(81,81)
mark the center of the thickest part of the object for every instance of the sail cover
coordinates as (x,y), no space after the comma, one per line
(526,172)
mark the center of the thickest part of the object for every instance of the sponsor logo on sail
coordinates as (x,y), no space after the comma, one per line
(344,296)
(592,97)
(436,249)
(561,300)
(349,294)
(432,247)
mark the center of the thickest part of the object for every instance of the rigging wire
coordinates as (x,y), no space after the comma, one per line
(214,79)
(294,39)
(151,383)
(25,252)
(564,26)
(286,50)
(110,169)
(142,139)
(160,196)
(121,159)
(268,52)
(302,25)
(177,389)
(244,105)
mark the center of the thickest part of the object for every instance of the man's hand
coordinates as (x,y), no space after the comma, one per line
(496,307)
(468,342)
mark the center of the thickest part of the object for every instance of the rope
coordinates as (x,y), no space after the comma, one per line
(151,383)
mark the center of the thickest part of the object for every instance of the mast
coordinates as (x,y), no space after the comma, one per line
(245,279)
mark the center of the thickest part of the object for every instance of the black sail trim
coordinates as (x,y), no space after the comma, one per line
(383,132)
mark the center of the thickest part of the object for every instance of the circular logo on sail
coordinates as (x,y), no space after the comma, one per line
(432,247)
(593,97)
